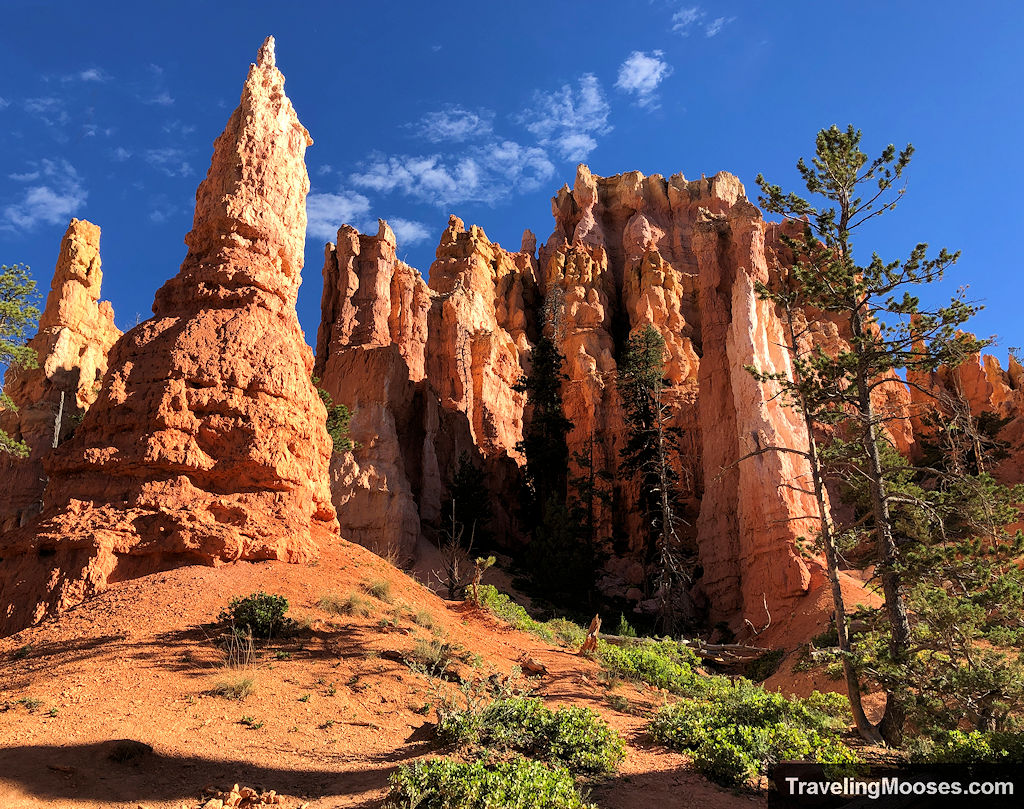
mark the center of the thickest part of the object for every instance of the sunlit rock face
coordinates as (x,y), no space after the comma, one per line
(76,331)
(208,441)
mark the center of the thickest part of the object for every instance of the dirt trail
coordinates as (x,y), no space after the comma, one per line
(330,716)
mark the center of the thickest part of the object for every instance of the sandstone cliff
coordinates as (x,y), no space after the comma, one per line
(207,442)
(76,330)
(428,373)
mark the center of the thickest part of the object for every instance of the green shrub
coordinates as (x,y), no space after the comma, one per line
(665,665)
(625,628)
(742,731)
(508,610)
(567,632)
(339,419)
(259,613)
(575,737)
(442,783)
(975,747)
(432,655)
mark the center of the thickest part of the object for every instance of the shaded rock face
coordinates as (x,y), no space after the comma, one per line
(207,442)
(431,375)
(979,387)
(76,331)
(428,373)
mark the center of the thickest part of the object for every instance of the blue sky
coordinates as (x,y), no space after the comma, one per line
(418,110)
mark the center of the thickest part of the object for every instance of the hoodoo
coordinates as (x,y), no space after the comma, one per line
(207,442)
(76,330)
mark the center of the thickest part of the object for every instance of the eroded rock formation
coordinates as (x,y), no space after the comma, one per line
(207,442)
(428,373)
(76,330)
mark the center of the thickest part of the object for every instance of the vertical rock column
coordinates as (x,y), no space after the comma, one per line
(208,442)
(76,331)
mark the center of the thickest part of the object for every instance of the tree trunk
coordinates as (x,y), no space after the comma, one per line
(894,718)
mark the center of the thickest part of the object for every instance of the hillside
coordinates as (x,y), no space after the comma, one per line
(140,661)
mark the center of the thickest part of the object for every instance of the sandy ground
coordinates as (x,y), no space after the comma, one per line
(331,715)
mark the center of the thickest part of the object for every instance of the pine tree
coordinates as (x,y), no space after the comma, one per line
(650,456)
(18,315)
(885,328)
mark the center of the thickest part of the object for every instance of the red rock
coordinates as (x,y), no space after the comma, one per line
(207,442)
(76,330)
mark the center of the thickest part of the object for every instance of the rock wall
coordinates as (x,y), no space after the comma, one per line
(76,331)
(207,442)
(981,388)
(428,373)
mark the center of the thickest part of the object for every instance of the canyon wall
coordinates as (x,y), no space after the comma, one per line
(207,442)
(428,373)
(76,331)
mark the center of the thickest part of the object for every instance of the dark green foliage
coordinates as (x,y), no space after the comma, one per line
(261,614)
(544,436)
(574,737)
(650,457)
(746,729)
(765,666)
(468,506)
(442,783)
(18,315)
(561,561)
(625,628)
(339,417)
(886,331)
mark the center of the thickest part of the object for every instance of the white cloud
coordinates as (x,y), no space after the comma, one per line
(568,119)
(326,168)
(162,99)
(325,213)
(50,110)
(716,25)
(688,18)
(408,231)
(169,160)
(684,19)
(27,177)
(121,154)
(455,124)
(484,173)
(4,103)
(52,203)
(89,74)
(641,74)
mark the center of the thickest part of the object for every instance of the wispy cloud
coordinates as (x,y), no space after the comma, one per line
(27,177)
(161,99)
(716,25)
(4,103)
(692,18)
(52,202)
(641,74)
(51,110)
(454,124)
(485,173)
(89,74)
(171,161)
(326,212)
(568,119)
(408,231)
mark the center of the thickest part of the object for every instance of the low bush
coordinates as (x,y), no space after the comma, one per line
(442,783)
(743,730)
(575,737)
(261,614)
(974,747)
(235,688)
(508,610)
(667,665)
(380,589)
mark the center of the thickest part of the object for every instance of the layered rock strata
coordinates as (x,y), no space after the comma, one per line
(207,442)
(76,331)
